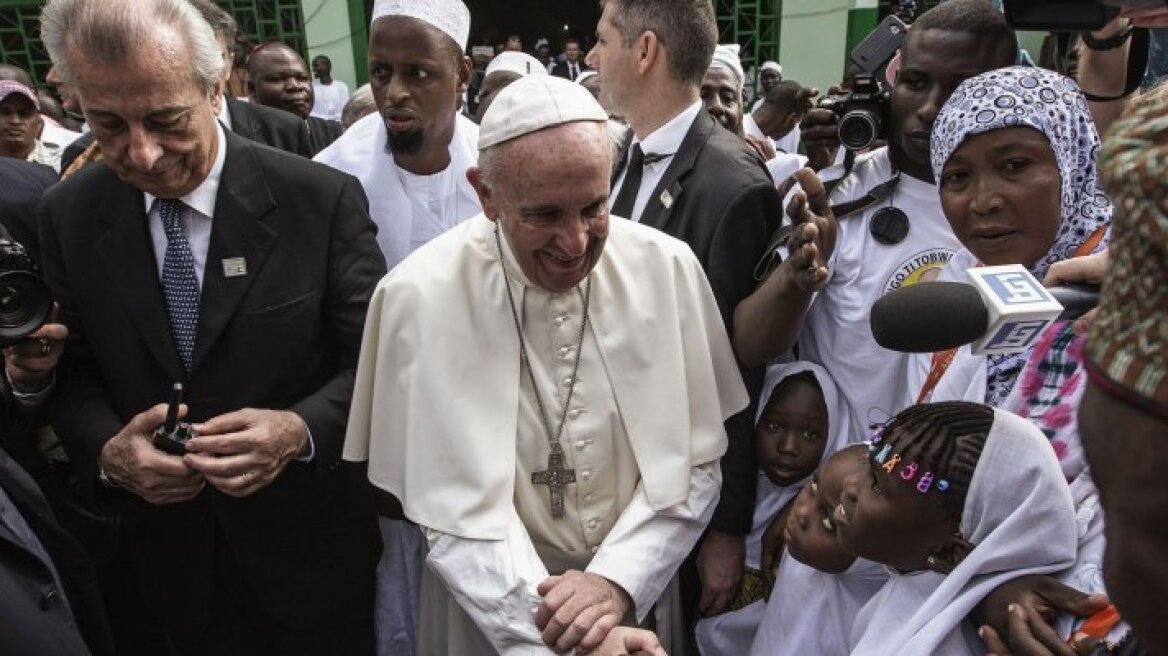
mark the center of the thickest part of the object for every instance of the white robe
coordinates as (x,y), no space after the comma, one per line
(361,152)
(439,328)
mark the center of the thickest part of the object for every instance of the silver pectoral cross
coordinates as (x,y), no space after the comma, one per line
(556,477)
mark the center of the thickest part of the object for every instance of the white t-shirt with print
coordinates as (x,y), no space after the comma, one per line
(836,333)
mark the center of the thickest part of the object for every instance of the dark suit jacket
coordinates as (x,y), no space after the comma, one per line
(21,186)
(322,132)
(285,335)
(561,69)
(36,619)
(716,196)
(272,127)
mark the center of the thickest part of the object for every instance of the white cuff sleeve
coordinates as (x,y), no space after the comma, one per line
(645,548)
(494,581)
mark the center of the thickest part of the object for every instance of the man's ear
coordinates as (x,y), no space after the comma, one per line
(649,50)
(474,175)
(948,556)
(464,73)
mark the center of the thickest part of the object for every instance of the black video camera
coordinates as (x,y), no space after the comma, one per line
(25,300)
(863,111)
(1068,15)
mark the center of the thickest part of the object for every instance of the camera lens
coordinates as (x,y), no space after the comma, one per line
(25,303)
(858,129)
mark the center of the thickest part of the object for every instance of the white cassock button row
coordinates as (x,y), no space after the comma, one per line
(581,444)
(574,413)
(565,351)
(592,524)
(559,321)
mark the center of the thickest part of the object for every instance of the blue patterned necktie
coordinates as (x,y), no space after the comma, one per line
(179,284)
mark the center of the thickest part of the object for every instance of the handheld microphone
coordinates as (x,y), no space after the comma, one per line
(1002,309)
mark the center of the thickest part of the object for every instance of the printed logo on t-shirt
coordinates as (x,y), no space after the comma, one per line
(925,266)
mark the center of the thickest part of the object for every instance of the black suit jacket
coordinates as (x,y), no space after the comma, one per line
(21,186)
(561,69)
(322,132)
(272,127)
(37,621)
(716,196)
(286,335)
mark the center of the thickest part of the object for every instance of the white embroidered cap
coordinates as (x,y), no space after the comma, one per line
(537,102)
(771,66)
(449,16)
(726,58)
(515,62)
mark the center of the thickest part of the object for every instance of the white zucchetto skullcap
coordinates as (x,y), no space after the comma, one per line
(772,66)
(515,62)
(726,58)
(449,16)
(537,102)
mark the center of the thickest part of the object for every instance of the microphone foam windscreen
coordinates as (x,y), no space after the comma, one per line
(929,317)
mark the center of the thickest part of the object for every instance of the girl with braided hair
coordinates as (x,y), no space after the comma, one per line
(956,499)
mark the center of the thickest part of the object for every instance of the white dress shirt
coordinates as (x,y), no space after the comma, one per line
(665,140)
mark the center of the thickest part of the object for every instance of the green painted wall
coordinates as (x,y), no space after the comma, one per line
(328,31)
(814,41)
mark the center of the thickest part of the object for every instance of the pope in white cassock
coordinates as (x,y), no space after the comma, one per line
(544,389)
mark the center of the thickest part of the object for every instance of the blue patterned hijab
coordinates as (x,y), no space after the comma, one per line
(1022,96)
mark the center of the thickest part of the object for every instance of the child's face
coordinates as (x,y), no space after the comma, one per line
(791,432)
(811,533)
(883,518)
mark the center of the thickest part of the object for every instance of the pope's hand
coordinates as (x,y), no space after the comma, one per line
(720,561)
(242,452)
(579,610)
(628,641)
(130,460)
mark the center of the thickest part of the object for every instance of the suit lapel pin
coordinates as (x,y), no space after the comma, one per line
(667,199)
(234,267)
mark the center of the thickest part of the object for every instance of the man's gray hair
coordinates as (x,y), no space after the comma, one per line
(220,21)
(111,31)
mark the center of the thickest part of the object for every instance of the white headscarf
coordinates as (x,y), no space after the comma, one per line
(733,632)
(1019,516)
(772,498)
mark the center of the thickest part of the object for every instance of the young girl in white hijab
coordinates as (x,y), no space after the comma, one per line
(801,422)
(819,587)
(958,498)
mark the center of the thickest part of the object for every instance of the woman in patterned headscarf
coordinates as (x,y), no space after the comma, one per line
(1014,156)
(1014,152)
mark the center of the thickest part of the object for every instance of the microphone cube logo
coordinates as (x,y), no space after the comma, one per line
(1014,336)
(1019,308)
(1014,288)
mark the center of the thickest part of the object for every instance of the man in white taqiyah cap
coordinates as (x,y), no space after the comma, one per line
(411,158)
(504,395)
(722,88)
(504,69)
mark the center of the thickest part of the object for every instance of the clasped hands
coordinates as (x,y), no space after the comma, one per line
(237,453)
(580,610)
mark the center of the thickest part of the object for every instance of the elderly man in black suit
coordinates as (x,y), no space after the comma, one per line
(685,175)
(193,255)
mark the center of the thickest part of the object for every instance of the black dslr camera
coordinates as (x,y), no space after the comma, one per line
(25,300)
(863,111)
